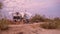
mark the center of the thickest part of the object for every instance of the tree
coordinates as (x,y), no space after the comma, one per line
(1,5)
(0,9)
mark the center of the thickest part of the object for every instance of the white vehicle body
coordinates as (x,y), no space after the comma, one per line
(25,15)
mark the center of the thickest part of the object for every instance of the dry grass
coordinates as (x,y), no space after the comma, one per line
(3,24)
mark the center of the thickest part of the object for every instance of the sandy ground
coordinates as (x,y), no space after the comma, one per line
(28,29)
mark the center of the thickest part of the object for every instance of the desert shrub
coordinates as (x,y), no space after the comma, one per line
(57,20)
(3,24)
(48,20)
(51,25)
(37,18)
(20,33)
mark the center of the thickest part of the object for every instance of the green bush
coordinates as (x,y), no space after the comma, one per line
(3,24)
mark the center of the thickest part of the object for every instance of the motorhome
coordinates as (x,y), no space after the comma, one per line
(21,16)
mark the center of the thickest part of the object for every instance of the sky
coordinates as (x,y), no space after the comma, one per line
(49,8)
